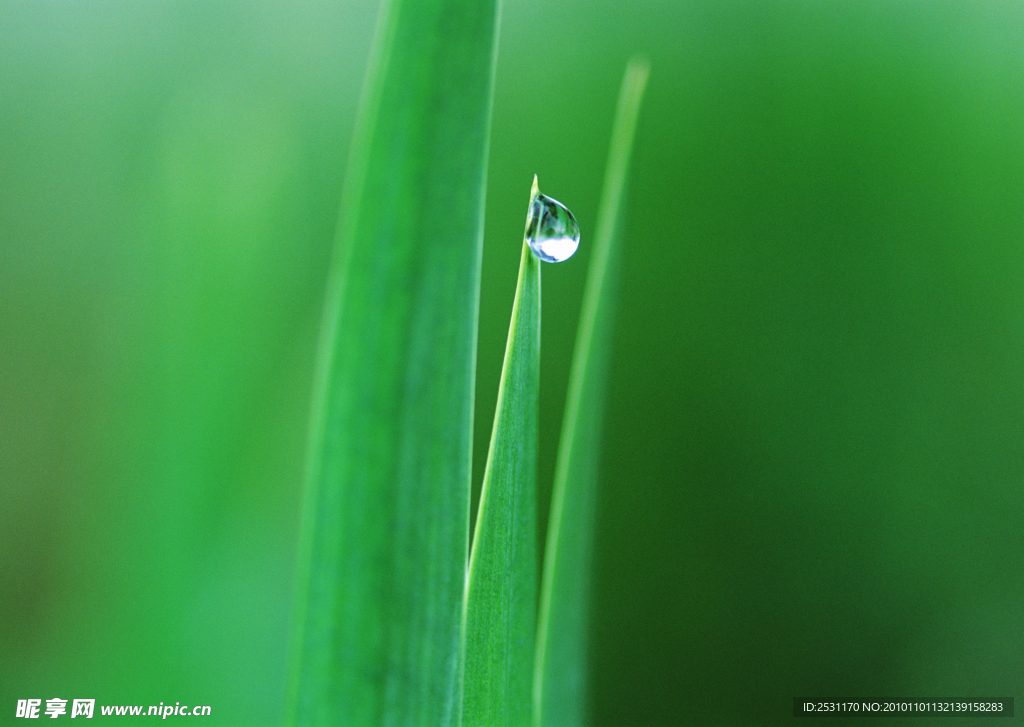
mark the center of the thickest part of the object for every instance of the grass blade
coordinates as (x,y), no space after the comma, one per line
(501,591)
(385,525)
(559,692)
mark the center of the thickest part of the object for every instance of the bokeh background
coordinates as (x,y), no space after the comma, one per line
(814,458)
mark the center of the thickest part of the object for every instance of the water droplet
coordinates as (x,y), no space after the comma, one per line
(551,230)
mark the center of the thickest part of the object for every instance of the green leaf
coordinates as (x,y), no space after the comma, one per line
(501,591)
(385,529)
(560,679)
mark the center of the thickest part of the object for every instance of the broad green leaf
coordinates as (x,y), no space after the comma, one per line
(560,678)
(501,591)
(385,527)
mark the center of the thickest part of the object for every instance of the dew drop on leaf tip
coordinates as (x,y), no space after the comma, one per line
(551,230)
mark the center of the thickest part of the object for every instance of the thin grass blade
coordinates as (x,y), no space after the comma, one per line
(501,591)
(385,531)
(560,678)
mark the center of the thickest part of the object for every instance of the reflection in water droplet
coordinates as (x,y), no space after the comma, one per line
(551,230)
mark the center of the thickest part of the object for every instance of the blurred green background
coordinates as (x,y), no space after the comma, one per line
(812,480)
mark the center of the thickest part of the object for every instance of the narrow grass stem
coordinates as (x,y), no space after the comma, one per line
(560,675)
(501,588)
